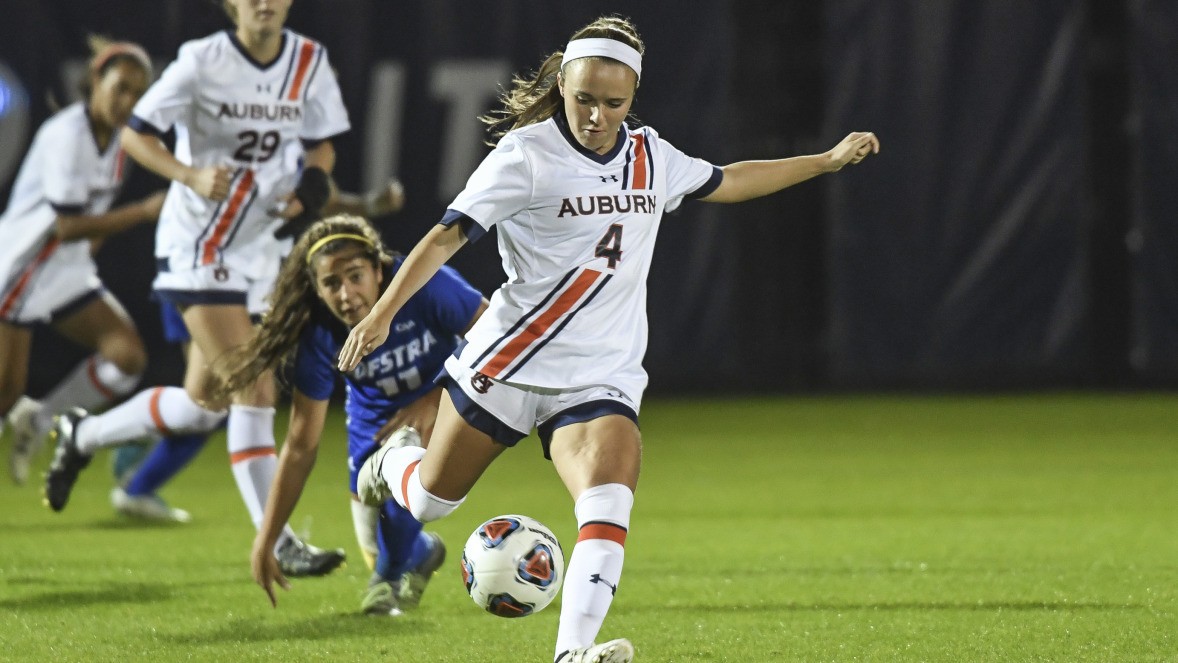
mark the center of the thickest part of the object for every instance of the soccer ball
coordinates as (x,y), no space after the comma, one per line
(512,566)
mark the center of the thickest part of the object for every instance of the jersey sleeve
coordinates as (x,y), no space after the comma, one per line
(686,176)
(499,188)
(324,115)
(453,301)
(171,98)
(63,170)
(314,364)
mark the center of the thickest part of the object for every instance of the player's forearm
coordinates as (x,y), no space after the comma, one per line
(438,245)
(746,180)
(294,466)
(321,156)
(150,152)
(72,227)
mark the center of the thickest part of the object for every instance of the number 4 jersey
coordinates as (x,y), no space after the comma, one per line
(576,232)
(229,109)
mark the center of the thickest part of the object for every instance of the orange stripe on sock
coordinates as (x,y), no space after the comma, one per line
(405,483)
(606,531)
(257,452)
(92,373)
(156,417)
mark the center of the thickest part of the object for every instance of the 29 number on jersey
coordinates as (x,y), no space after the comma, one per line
(610,245)
(255,146)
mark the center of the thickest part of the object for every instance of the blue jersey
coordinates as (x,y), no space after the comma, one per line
(424,333)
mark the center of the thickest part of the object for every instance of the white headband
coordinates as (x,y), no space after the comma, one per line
(610,48)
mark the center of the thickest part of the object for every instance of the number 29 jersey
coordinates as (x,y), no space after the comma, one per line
(229,109)
(576,233)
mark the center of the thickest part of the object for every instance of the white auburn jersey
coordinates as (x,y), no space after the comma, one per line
(576,233)
(63,173)
(229,109)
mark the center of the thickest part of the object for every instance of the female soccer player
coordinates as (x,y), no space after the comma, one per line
(60,202)
(576,195)
(255,109)
(331,280)
(139,473)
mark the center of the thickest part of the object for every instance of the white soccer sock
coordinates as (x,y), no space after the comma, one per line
(399,470)
(364,520)
(595,567)
(252,455)
(92,384)
(150,413)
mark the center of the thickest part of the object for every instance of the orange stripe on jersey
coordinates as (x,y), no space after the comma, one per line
(607,531)
(305,54)
(92,373)
(639,162)
(153,405)
(120,159)
(537,327)
(22,283)
(208,252)
(405,483)
(257,452)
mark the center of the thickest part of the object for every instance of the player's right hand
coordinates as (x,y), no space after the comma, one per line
(212,182)
(365,337)
(264,565)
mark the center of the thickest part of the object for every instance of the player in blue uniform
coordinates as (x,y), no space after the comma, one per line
(141,473)
(334,274)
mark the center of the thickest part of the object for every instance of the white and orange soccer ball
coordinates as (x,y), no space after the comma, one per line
(512,566)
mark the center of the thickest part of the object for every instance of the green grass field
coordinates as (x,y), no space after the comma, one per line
(1018,528)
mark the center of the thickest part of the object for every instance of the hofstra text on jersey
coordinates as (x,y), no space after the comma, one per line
(636,203)
(270,112)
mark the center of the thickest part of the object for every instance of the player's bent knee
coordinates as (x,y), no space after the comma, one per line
(426,506)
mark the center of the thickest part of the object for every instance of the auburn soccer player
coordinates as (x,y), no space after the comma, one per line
(254,109)
(576,195)
(61,200)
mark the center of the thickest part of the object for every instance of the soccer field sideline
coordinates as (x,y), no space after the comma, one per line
(850,528)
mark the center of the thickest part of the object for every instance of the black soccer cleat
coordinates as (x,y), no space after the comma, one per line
(67,462)
(297,559)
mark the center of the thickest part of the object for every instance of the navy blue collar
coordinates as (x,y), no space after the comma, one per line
(102,151)
(562,123)
(249,58)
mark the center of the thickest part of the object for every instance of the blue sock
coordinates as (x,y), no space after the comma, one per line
(402,543)
(165,461)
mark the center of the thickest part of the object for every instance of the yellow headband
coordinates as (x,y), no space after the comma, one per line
(331,238)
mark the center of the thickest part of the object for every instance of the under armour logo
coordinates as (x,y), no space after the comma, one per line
(608,178)
(263,88)
(596,578)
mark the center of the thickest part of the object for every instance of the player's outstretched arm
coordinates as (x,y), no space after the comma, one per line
(420,265)
(746,180)
(99,226)
(307,417)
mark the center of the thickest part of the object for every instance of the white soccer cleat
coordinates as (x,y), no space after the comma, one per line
(614,651)
(27,440)
(405,436)
(371,487)
(147,507)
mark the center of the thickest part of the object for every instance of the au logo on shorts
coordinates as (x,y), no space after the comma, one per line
(481,383)
(221,274)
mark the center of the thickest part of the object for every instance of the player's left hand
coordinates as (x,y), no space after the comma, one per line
(853,149)
(264,565)
(420,414)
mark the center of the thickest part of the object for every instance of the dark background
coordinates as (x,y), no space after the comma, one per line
(1017,230)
